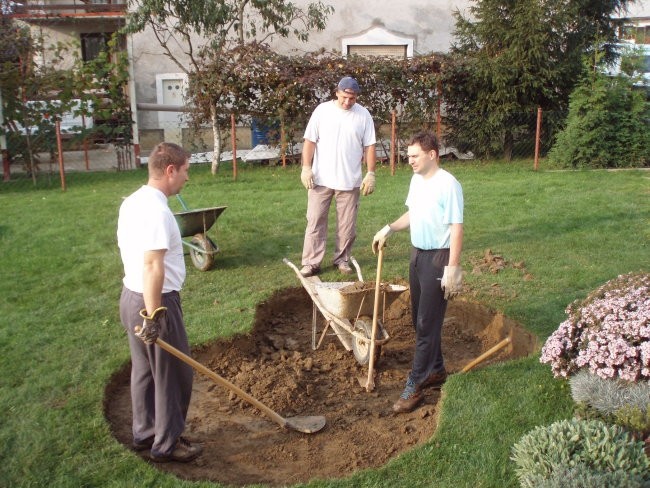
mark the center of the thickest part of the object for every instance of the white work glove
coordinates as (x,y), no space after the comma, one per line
(379,240)
(452,281)
(307,177)
(368,183)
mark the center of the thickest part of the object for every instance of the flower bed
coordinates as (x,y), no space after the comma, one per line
(608,333)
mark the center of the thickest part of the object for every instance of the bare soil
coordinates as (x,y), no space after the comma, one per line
(275,363)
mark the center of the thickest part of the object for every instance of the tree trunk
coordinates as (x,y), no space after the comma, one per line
(216,133)
(508,145)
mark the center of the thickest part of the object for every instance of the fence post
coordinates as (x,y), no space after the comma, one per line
(537,137)
(438,116)
(283,143)
(392,144)
(4,154)
(233,143)
(59,146)
(85,142)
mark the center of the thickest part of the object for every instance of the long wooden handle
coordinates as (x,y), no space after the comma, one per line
(487,354)
(370,385)
(222,382)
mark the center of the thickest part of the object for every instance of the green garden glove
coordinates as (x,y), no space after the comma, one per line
(452,281)
(150,325)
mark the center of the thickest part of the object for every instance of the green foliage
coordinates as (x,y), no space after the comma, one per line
(609,395)
(514,57)
(608,125)
(566,444)
(254,80)
(634,418)
(581,476)
(222,24)
(93,89)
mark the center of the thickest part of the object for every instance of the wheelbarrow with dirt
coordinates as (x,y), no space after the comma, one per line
(194,224)
(348,308)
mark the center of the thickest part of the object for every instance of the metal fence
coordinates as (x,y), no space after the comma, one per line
(253,143)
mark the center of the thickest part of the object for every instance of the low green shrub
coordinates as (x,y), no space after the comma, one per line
(609,395)
(612,401)
(581,476)
(566,444)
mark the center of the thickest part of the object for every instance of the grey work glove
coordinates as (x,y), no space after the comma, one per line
(307,177)
(150,325)
(368,183)
(452,281)
(380,238)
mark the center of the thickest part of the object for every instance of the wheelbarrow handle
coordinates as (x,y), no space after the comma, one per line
(183,204)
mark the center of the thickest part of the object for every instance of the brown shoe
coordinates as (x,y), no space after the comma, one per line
(409,399)
(434,380)
(308,270)
(183,452)
(344,268)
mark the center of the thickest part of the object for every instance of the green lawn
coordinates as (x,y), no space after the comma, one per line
(60,336)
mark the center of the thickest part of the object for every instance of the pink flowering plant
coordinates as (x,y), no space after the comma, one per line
(608,333)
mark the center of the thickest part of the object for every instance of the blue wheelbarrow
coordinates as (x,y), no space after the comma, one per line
(194,224)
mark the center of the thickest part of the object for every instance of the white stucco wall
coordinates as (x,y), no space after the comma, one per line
(430,23)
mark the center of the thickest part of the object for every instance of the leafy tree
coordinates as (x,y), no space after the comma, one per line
(208,29)
(99,85)
(254,80)
(608,124)
(513,56)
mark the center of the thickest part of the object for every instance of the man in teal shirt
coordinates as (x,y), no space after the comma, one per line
(435,220)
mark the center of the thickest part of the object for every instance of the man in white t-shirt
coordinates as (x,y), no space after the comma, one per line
(435,219)
(339,135)
(150,307)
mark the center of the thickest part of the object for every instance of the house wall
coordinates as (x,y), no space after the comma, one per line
(429,23)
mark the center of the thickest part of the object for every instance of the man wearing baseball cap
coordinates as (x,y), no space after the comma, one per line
(339,136)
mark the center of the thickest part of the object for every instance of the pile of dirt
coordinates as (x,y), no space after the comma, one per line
(276,364)
(494,263)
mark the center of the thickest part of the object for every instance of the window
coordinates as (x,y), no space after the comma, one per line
(92,45)
(378,41)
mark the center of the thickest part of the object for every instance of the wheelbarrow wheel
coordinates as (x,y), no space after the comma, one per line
(203,260)
(360,347)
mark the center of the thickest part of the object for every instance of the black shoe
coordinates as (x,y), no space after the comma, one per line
(143,445)
(183,452)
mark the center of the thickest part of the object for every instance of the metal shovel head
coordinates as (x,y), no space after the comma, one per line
(307,425)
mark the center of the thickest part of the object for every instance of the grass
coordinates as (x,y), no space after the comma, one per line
(60,336)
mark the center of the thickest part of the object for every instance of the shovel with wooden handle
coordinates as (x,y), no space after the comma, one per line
(306,425)
(370,384)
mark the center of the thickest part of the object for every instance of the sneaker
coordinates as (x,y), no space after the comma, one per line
(143,445)
(409,399)
(434,380)
(344,268)
(183,452)
(308,270)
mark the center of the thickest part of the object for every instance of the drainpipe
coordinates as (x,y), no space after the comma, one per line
(132,99)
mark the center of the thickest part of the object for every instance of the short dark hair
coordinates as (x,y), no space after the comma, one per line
(426,140)
(166,154)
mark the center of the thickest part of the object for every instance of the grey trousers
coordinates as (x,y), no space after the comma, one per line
(161,385)
(319,199)
(428,306)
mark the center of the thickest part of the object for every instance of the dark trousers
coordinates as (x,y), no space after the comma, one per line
(161,385)
(428,306)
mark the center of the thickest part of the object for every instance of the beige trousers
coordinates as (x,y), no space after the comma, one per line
(319,199)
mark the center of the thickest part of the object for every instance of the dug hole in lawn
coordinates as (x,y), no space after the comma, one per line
(275,363)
